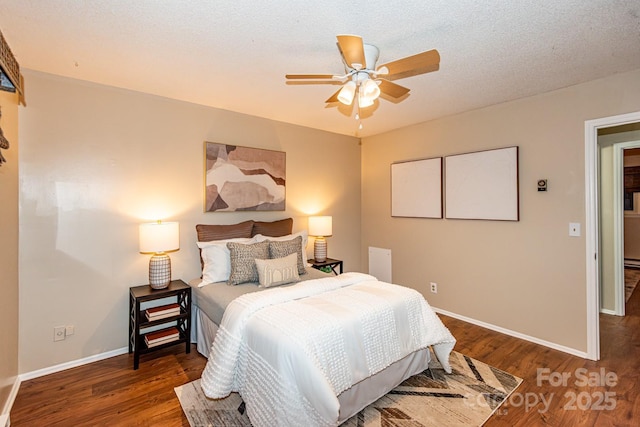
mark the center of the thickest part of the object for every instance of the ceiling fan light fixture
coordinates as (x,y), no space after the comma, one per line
(370,89)
(347,93)
(364,101)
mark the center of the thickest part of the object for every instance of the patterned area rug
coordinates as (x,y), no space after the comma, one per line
(631,279)
(466,397)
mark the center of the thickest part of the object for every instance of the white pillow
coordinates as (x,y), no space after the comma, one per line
(303,234)
(216,260)
(279,271)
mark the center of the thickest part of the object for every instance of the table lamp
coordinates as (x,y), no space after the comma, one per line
(320,227)
(158,238)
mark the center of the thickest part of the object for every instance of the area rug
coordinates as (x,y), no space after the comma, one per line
(466,397)
(631,279)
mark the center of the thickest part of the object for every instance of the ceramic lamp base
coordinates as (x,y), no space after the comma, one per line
(159,271)
(320,249)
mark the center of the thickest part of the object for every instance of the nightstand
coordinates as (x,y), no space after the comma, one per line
(171,317)
(329,262)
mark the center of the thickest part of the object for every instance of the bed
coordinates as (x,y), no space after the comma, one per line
(313,352)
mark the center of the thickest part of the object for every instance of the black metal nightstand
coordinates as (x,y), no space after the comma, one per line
(138,319)
(329,262)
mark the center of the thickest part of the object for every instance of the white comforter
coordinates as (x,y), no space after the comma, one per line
(291,351)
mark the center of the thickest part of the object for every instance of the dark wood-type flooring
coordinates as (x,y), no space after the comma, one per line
(111,393)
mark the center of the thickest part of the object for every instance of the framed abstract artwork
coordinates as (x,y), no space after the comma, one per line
(482,185)
(416,188)
(243,178)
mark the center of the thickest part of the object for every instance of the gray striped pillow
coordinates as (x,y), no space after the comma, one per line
(243,261)
(280,249)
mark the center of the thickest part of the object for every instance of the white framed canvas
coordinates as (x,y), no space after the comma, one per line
(416,188)
(482,185)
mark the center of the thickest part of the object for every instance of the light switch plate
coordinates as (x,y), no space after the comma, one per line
(574,229)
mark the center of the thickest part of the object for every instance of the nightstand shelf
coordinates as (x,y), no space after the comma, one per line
(146,348)
(139,324)
(327,263)
(150,323)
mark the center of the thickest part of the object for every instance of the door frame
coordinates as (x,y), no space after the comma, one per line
(592,223)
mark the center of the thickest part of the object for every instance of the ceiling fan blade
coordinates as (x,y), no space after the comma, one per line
(334,97)
(352,50)
(420,63)
(392,89)
(308,76)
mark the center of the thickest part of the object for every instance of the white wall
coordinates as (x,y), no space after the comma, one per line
(96,161)
(527,276)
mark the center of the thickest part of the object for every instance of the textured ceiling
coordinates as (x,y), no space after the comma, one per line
(234,54)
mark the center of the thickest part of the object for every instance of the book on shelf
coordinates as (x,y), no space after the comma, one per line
(157,343)
(162,310)
(162,316)
(161,336)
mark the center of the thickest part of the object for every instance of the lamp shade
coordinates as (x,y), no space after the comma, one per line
(159,237)
(364,101)
(368,92)
(370,89)
(347,93)
(320,226)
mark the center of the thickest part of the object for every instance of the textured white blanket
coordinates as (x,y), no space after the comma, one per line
(291,351)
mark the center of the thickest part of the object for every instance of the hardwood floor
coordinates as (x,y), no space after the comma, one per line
(111,393)
(581,399)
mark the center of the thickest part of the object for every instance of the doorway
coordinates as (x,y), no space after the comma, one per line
(628,214)
(592,239)
(619,199)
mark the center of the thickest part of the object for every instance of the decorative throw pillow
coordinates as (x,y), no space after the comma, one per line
(209,232)
(303,234)
(273,228)
(243,261)
(303,246)
(216,260)
(280,249)
(279,271)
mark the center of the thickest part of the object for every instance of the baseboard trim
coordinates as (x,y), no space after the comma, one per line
(559,347)
(4,417)
(72,364)
(607,311)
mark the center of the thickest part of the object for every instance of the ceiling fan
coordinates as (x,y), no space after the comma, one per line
(366,81)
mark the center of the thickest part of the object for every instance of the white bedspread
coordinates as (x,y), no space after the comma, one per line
(291,351)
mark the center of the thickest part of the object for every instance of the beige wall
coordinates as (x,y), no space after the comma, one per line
(96,161)
(9,247)
(526,276)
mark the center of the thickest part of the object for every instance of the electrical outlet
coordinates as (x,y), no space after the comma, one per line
(59,333)
(434,288)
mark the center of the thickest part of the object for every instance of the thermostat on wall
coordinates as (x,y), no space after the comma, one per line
(542,185)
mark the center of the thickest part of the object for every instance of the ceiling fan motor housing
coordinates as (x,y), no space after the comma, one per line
(371,54)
